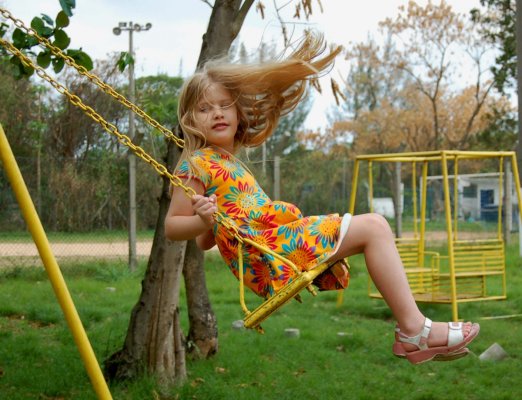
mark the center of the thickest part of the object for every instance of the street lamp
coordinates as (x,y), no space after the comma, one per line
(131,28)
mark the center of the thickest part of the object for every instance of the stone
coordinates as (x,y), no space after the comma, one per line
(238,324)
(292,332)
(495,352)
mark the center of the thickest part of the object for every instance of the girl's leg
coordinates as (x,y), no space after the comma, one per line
(371,234)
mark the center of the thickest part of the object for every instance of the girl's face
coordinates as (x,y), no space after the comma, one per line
(217,117)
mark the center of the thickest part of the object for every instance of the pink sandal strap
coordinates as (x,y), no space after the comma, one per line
(420,340)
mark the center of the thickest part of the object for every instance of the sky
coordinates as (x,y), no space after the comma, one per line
(173,43)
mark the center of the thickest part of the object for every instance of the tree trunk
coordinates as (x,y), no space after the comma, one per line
(225,22)
(154,341)
(202,339)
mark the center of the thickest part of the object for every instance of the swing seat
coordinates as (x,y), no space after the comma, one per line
(291,290)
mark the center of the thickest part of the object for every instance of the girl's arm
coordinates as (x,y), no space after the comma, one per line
(190,218)
(206,240)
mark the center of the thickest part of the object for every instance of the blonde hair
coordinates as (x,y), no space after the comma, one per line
(263,92)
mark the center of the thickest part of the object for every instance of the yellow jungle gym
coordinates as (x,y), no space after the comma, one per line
(472,269)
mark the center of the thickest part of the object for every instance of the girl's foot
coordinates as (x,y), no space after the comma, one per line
(435,340)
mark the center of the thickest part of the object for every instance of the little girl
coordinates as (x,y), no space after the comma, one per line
(227,106)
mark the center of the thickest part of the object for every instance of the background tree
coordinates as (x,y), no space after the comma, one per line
(411,94)
(425,106)
(499,27)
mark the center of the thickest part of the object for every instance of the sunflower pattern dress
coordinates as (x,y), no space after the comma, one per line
(280,226)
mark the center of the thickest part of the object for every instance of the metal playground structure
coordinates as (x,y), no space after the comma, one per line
(468,270)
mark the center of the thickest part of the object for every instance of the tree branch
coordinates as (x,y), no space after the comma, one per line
(283,27)
(242,13)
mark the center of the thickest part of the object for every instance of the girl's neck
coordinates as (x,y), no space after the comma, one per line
(222,150)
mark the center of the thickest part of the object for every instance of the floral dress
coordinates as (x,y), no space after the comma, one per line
(280,226)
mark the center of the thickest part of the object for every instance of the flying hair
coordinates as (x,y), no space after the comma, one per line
(263,92)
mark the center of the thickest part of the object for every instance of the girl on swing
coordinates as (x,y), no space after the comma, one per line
(227,106)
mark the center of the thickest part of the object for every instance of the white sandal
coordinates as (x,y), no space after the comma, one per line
(456,347)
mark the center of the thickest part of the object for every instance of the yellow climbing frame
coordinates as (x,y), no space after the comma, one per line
(472,269)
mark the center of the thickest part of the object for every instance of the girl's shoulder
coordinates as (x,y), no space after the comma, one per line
(212,154)
(202,159)
(205,152)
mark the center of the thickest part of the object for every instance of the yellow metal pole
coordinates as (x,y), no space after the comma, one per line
(370,185)
(414,198)
(455,197)
(516,177)
(351,210)
(422,238)
(451,256)
(53,271)
(353,192)
(500,197)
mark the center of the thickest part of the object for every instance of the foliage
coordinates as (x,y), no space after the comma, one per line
(158,96)
(20,110)
(409,95)
(52,30)
(68,6)
(125,59)
(499,27)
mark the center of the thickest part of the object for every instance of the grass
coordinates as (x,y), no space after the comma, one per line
(81,237)
(38,359)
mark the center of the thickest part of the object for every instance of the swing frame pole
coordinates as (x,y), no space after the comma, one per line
(53,270)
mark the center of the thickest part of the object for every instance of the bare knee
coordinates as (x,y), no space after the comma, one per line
(364,230)
(377,224)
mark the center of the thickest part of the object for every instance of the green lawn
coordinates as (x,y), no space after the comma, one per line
(38,359)
(73,237)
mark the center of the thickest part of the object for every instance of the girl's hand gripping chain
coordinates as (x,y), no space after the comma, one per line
(205,207)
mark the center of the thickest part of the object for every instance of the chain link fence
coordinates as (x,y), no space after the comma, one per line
(83,206)
(83,209)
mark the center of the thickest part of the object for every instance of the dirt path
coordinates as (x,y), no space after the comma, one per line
(120,249)
(87,249)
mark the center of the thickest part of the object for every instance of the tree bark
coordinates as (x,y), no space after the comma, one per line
(202,338)
(154,341)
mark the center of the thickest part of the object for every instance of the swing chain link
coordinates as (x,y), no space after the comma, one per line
(110,128)
(92,78)
(90,112)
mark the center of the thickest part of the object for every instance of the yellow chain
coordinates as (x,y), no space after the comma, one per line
(93,78)
(90,112)
(113,130)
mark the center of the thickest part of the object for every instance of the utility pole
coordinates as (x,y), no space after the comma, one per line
(131,28)
(519,94)
(519,82)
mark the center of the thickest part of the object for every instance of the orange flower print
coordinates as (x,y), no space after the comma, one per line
(262,277)
(242,199)
(326,231)
(227,168)
(302,255)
